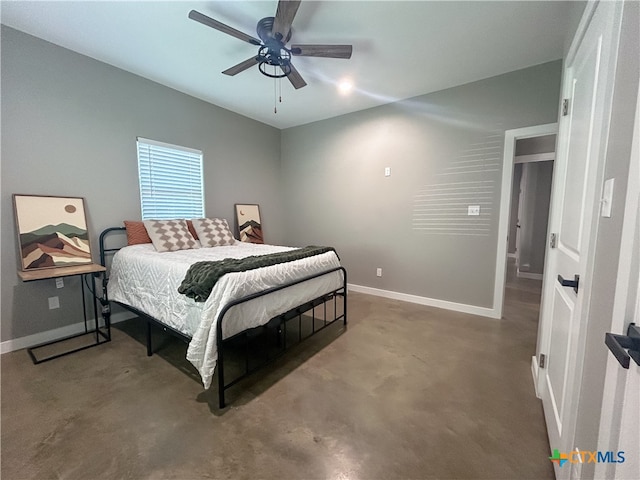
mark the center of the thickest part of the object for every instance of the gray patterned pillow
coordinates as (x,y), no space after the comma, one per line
(213,232)
(170,235)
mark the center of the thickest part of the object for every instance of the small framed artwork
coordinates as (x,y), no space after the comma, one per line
(52,231)
(248,222)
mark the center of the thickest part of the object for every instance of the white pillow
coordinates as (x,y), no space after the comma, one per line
(170,235)
(213,232)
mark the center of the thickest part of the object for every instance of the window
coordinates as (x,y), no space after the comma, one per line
(170,181)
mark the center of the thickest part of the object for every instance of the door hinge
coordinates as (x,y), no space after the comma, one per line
(565,107)
(553,240)
(543,360)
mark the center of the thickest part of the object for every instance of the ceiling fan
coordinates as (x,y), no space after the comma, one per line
(275,33)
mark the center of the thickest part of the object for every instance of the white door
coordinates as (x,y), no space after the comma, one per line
(587,84)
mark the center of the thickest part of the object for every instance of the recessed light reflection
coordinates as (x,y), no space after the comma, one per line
(345,87)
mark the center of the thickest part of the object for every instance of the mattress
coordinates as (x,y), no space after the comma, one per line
(148,280)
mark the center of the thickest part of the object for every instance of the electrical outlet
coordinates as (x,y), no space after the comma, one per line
(387,171)
(54,302)
(473,210)
(378,272)
(59,283)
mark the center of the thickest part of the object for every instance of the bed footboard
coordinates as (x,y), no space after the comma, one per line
(330,298)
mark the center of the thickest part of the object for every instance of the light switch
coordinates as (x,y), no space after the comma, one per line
(387,171)
(607,199)
(473,210)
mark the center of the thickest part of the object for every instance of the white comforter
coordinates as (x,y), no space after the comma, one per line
(149,281)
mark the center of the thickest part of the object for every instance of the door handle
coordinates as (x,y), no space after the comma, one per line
(618,343)
(570,283)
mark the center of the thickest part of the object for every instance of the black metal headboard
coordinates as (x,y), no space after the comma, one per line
(103,250)
(104,300)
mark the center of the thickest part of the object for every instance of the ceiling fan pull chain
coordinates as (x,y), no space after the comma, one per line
(280,88)
(275,94)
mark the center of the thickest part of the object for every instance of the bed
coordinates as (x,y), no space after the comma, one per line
(146,282)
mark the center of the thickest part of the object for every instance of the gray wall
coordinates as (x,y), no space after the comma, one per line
(335,190)
(324,182)
(69,127)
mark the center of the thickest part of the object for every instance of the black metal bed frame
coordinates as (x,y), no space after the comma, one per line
(279,322)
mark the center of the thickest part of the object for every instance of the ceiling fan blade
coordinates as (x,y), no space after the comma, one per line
(285,14)
(241,67)
(328,51)
(295,78)
(210,22)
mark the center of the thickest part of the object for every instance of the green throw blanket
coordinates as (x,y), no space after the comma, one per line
(202,276)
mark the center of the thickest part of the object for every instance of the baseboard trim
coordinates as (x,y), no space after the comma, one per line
(51,335)
(431,302)
(534,373)
(530,276)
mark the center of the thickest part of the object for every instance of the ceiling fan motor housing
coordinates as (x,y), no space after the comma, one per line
(264,28)
(273,52)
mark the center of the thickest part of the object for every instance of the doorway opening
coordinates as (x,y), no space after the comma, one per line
(530,202)
(528,221)
(524,208)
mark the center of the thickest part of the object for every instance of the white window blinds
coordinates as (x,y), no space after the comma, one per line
(170,181)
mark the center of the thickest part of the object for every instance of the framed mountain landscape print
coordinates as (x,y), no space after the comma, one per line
(248,221)
(52,231)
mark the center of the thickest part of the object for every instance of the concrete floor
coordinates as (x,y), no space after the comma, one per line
(406,391)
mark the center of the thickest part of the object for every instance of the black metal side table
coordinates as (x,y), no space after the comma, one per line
(102,333)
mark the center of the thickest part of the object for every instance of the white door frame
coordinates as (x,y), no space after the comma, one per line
(617,387)
(510,138)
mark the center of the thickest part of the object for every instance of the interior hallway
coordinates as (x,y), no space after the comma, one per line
(407,391)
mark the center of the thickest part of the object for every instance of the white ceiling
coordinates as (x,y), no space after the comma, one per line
(400,49)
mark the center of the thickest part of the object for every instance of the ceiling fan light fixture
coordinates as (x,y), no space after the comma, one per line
(274,57)
(284,70)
